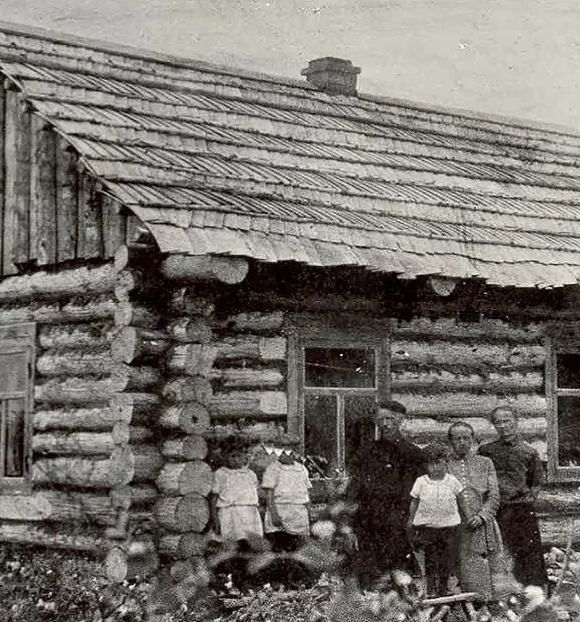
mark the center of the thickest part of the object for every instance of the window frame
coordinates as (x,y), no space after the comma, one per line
(555,347)
(343,331)
(16,338)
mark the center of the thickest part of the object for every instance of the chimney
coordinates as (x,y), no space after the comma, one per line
(335,76)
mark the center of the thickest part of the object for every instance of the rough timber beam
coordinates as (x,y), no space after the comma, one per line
(230,270)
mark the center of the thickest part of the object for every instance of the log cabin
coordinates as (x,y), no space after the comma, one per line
(189,251)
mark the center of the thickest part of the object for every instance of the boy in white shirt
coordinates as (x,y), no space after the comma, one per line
(434,515)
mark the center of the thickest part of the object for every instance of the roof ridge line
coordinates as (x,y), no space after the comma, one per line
(170,59)
(100,45)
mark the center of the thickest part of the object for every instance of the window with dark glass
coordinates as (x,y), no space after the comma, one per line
(16,378)
(339,387)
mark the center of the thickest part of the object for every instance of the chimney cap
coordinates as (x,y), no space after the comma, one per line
(333,75)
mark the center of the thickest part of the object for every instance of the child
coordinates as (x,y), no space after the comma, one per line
(234,506)
(286,523)
(433,518)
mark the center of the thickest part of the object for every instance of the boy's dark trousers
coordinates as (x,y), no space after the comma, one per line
(440,548)
(287,572)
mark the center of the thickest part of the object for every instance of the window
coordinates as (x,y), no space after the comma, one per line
(16,384)
(335,379)
(564,421)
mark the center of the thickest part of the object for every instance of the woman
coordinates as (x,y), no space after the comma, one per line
(481,561)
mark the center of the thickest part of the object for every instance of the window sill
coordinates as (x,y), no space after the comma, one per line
(564,474)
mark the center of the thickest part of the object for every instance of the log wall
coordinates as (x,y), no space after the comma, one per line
(51,211)
(95,458)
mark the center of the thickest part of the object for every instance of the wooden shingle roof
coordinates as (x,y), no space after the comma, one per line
(215,160)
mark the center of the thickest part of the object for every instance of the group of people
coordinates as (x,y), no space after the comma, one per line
(235,502)
(459,512)
(455,512)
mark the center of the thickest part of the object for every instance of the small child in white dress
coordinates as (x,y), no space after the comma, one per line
(234,513)
(434,515)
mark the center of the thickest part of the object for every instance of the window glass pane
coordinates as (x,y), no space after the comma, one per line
(569,431)
(14,439)
(12,371)
(358,424)
(339,367)
(320,437)
(568,371)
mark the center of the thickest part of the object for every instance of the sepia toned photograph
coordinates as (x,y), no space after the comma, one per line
(288,311)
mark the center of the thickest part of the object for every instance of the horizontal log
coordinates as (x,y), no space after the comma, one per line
(62,284)
(186,301)
(458,355)
(264,432)
(183,478)
(134,496)
(321,301)
(559,501)
(422,430)
(74,471)
(74,363)
(190,330)
(191,418)
(96,336)
(182,514)
(73,443)
(486,329)
(137,345)
(194,389)
(251,347)
(183,545)
(76,310)
(470,404)
(442,381)
(57,506)
(248,377)
(253,322)
(248,404)
(30,533)
(75,419)
(191,447)
(193,359)
(134,464)
(554,530)
(205,268)
(134,408)
(137,560)
(134,314)
(83,391)
(124,433)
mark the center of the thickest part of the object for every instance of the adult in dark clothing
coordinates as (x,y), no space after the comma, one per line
(385,467)
(520,475)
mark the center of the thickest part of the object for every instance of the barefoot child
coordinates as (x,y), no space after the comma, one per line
(234,506)
(286,523)
(436,499)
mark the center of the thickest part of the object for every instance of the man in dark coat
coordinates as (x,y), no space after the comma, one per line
(520,475)
(385,467)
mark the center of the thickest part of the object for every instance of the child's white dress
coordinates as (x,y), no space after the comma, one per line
(290,483)
(237,503)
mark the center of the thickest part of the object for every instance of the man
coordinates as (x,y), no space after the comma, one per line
(480,545)
(385,467)
(520,475)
